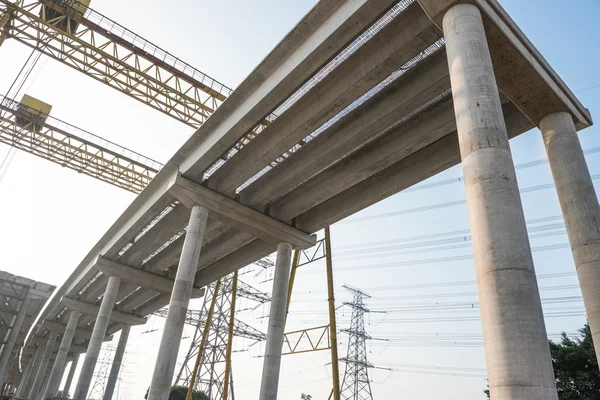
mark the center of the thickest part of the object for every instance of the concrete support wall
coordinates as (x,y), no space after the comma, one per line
(180,298)
(69,381)
(61,357)
(270,374)
(12,338)
(40,375)
(579,205)
(116,364)
(102,321)
(25,386)
(515,340)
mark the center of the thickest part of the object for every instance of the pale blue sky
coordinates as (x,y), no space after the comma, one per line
(52,216)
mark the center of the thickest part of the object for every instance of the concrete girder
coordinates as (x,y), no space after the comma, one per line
(400,142)
(521,71)
(140,277)
(92,309)
(411,90)
(239,216)
(323,32)
(137,299)
(402,39)
(419,166)
(60,328)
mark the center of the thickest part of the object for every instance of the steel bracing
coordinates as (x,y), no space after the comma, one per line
(217,310)
(87,41)
(321,337)
(356,384)
(74,148)
(101,374)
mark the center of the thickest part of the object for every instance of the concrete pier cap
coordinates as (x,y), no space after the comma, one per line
(522,73)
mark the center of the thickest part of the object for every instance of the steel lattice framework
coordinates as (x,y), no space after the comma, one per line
(356,384)
(74,148)
(101,374)
(212,368)
(89,42)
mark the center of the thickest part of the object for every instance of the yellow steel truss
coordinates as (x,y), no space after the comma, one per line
(321,337)
(93,44)
(74,148)
(89,42)
(306,340)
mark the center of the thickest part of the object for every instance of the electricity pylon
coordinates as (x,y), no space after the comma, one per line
(356,384)
(101,374)
(214,367)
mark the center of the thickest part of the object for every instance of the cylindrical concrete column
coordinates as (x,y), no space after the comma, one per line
(12,338)
(579,205)
(40,376)
(180,298)
(270,373)
(25,386)
(93,350)
(515,340)
(24,377)
(61,356)
(116,364)
(69,381)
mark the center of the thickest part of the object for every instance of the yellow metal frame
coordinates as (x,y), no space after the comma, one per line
(111,60)
(140,72)
(297,341)
(49,138)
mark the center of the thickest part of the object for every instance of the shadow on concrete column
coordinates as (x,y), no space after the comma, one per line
(180,299)
(69,381)
(579,205)
(40,376)
(61,356)
(515,340)
(272,363)
(93,350)
(25,386)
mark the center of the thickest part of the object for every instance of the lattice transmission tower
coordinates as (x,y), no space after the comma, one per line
(214,365)
(101,374)
(356,384)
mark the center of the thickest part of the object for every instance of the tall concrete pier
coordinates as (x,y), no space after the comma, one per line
(516,343)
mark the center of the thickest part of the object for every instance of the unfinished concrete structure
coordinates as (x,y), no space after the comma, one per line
(361,100)
(22,299)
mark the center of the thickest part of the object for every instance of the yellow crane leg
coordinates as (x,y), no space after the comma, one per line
(335,369)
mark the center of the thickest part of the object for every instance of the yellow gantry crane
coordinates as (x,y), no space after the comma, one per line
(87,41)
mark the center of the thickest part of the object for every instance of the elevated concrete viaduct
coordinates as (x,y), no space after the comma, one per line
(363,99)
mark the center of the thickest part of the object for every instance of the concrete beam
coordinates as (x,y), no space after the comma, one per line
(419,166)
(239,216)
(400,142)
(140,277)
(92,309)
(60,328)
(402,39)
(407,93)
(521,71)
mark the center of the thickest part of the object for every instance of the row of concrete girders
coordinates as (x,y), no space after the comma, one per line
(95,290)
(257,246)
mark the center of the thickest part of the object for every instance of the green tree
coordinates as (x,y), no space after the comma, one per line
(575,367)
(179,393)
